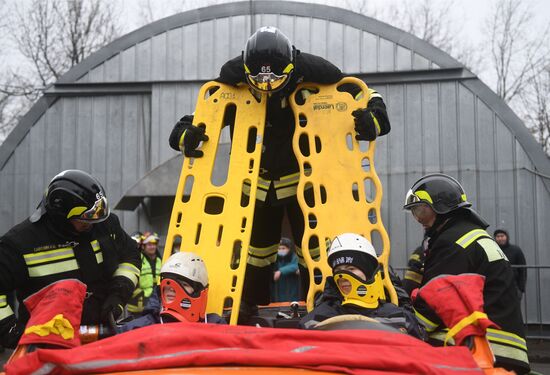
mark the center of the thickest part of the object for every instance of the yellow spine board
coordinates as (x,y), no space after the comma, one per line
(216,234)
(338,167)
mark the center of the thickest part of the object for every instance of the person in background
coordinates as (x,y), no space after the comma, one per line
(151,262)
(286,278)
(515,257)
(183,295)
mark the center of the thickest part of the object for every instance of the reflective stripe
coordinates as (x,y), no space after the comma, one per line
(180,143)
(427,323)
(470,237)
(262,262)
(287,192)
(262,252)
(509,352)
(5,311)
(413,276)
(492,250)
(288,180)
(129,271)
(263,184)
(3,300)
(97,250)
(53,268)
(315,254)
(506,338)
(440,336)
(261,195)
(48,256)
(374,94)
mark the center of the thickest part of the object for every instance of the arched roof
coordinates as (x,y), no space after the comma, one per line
(401,38)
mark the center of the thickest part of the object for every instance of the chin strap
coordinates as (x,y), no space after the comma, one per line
(365,294)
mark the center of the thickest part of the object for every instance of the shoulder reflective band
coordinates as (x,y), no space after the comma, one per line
(129,271)
(467,239)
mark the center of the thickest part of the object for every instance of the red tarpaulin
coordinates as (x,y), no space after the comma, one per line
(195,344)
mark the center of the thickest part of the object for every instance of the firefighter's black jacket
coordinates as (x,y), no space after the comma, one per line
(33,255)
(278,159)
(460,246)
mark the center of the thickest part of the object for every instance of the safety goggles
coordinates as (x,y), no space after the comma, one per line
(411,200)
(98,212)
(268,82)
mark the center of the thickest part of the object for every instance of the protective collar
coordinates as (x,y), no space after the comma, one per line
(183,308)
(363,293)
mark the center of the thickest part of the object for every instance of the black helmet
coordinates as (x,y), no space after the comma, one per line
(268,59)
(74,194)
(443,193)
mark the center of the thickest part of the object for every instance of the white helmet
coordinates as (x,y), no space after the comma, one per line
(354,249)
(187,265)
(353,242)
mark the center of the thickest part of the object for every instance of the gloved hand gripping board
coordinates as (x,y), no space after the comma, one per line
(216,221)
(346,189)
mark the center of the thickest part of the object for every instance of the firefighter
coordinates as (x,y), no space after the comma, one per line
(271,64)
(415,269)
(71,235)
(183,295)
(457,243)
(358,278)
(151,261)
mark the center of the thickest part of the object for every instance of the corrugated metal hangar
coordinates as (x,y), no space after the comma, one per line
(111,115)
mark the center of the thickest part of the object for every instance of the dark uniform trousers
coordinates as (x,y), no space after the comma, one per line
(463,246)
(34,255)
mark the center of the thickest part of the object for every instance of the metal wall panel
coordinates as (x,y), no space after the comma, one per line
(169,56)
(7,196)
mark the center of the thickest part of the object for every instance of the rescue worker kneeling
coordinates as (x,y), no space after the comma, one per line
(183,295)
(356,288)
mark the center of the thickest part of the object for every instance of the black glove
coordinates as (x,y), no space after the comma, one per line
(186,137)
(113,304)
(365,124)
(13,332)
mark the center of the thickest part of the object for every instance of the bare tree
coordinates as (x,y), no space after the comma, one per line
(517,53)
(52,36)
(428,20)
(536,102)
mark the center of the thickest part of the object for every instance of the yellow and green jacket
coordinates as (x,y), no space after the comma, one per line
(149,277)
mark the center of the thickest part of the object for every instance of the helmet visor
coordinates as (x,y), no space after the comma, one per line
(96,214)
(411,200)
(268,82)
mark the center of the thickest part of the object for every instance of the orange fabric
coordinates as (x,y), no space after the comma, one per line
(55,314)
(458,300)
